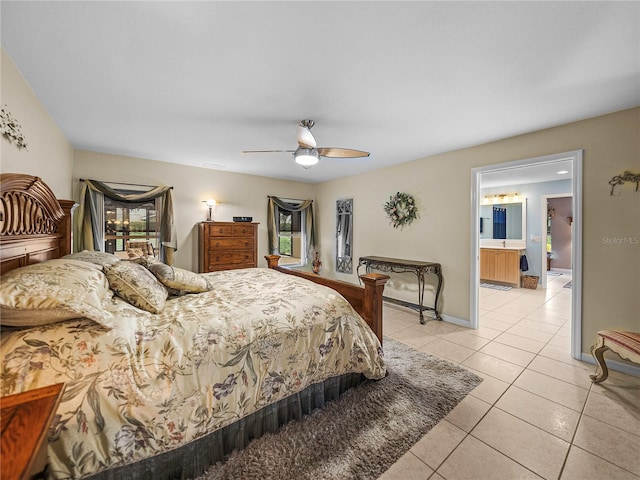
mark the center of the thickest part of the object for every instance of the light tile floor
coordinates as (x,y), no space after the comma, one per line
(536,414)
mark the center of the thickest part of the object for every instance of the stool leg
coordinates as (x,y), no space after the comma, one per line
(598,353)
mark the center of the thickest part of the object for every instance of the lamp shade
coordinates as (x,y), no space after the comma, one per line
(305,137)
(211,203)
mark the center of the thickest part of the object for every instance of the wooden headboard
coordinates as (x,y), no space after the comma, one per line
(34,225)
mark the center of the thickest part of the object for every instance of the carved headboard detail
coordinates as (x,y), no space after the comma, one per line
(34,225)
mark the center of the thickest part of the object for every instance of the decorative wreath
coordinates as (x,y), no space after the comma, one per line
(10,129)
(401,210)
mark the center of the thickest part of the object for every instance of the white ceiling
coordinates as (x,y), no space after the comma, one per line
(196,83)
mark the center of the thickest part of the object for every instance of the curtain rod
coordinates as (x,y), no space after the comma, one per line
(130,184)
(288,198)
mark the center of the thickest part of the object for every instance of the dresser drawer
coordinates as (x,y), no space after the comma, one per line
(230,258)
(243,230)
(217,244)
(220,230)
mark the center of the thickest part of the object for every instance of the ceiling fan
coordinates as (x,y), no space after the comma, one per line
(307,154)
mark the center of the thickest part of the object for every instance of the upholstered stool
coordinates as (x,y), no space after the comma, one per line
(625,344)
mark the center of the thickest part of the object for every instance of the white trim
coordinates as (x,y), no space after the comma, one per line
(456,321)
(576,258)
(576,250)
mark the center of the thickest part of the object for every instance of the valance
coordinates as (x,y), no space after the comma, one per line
(272,223)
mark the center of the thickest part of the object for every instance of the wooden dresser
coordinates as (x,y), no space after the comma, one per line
(227,245)
(500,265)
(25,423)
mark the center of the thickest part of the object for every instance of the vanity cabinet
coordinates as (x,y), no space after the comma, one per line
(500,265)
(227,245)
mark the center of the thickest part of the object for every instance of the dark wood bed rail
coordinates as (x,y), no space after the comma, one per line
(34,225)
(367,300)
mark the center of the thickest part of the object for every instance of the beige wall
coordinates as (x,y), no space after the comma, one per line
(49,155)
(441,186)
(241,195)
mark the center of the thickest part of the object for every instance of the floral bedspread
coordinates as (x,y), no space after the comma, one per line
(156,382)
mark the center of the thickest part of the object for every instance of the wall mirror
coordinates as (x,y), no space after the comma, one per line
(344,236)
(503,221)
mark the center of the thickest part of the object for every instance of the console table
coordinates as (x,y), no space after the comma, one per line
(397,265)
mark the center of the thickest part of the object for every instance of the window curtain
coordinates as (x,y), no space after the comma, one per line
(499,222)
(89,221)
(305,206)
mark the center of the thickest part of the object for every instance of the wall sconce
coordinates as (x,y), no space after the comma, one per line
(210,204)
(502,198)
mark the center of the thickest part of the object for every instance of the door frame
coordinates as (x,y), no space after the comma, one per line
(576,240)
(545,199)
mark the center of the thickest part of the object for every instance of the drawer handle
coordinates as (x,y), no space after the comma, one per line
(246,244)
(244,230)
(221,230)
(246,257)
(217,244)
(217,259)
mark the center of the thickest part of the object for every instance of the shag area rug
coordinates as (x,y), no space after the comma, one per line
(365,431)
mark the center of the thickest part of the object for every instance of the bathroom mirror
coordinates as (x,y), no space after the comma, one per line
(344,236)
(502,221)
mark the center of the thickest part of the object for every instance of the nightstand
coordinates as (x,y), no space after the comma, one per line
(25,418)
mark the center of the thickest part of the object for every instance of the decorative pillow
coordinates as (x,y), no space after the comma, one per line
(144,261)
(99,258)
(136,285)
(180,279)
(54,291)
(135,252)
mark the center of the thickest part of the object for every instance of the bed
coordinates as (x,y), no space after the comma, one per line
(164,384)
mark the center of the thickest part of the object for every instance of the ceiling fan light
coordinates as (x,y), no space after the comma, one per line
(306,157)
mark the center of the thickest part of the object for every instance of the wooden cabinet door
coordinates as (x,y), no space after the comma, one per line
(501,265)
(487,264)
(511,266)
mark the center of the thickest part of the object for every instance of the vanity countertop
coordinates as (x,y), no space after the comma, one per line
(504,248)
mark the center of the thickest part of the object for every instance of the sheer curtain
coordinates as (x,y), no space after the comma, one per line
(89,221)
(304,206)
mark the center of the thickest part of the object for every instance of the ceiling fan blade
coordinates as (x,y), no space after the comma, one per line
(268,151)
(333,152)
(305,137)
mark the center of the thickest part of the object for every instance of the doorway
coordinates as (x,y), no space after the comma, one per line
(515,170)
(558,225)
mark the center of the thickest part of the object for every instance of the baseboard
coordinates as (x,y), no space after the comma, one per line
(614,365)
(429,314)
(456,320)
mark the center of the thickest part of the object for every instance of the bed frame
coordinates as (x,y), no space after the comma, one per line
(35,226)
(367,300)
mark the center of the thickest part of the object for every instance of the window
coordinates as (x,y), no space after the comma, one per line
(291,229)
(125,222)
(290,233)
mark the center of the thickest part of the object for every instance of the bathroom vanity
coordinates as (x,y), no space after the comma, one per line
(500,265)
